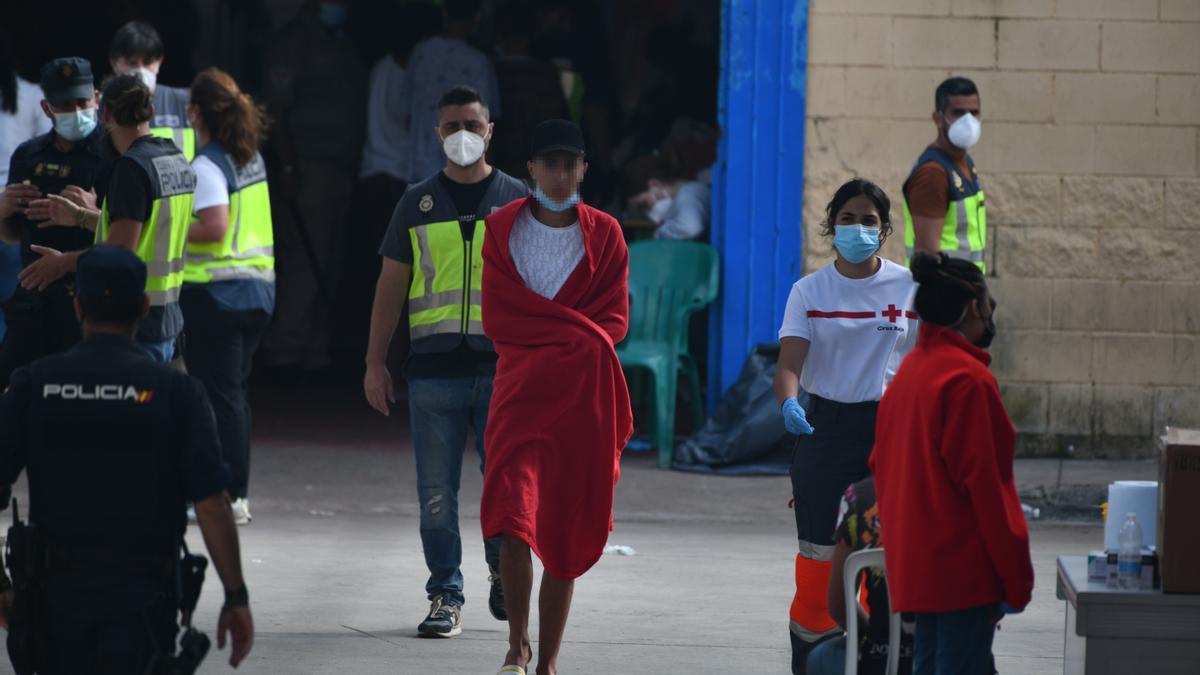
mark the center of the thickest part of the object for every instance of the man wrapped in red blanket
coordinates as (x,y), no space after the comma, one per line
(555,302)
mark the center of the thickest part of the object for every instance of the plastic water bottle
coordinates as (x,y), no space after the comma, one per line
(1129,557)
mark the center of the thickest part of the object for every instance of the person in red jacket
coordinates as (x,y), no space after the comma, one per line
(958,548)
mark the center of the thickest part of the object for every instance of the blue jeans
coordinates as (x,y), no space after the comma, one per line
(441,411)
(828,658)
(956,643)
(161,351)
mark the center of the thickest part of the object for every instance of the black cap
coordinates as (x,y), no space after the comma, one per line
(110,273)
(557,136)
(66,79)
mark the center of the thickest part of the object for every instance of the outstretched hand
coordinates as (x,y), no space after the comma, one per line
(51,267)
(54,211)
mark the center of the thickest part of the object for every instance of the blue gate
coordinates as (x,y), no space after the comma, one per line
(758,183)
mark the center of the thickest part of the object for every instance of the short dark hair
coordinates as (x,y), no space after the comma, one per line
(461,10)
(136,38)
(462,95)
(945,286)
(855,188)
(955,86)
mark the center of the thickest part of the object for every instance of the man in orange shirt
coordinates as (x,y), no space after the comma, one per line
(943,201)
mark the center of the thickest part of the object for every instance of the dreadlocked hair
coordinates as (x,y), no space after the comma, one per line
(946,286)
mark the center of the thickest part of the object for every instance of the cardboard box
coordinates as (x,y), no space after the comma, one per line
(1150,578)
(1179,511)
(1103,568)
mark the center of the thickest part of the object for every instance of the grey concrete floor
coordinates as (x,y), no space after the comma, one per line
(334,564)
(336,574)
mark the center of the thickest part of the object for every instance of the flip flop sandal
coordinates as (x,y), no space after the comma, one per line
(511,670)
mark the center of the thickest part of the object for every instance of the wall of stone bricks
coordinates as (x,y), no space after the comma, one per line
(1090,163)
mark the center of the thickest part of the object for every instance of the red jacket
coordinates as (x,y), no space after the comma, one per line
(943,466)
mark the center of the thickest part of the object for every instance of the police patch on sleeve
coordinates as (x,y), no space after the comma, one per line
(426,204)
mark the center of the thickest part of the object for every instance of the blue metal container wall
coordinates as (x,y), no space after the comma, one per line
(758,184)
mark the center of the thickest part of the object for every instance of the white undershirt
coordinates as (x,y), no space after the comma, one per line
(545,256)
(211,188)
(858,329)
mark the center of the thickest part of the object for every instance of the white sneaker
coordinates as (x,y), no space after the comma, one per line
(191,514)
(241,511)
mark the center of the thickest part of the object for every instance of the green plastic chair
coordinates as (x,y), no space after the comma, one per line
(668,282)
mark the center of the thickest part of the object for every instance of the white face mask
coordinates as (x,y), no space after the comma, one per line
(964,133)
(147,76)
(658,212)
(464,148)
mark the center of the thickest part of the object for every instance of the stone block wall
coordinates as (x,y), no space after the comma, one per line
(1090,160)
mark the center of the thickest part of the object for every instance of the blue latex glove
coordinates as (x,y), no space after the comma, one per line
(1009,610)
(794,418)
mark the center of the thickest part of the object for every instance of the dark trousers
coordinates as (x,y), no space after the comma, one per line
(39,324)
(219,348)
(956,643)
(823,465)
(92,624)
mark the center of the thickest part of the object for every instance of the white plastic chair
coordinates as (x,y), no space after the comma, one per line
(855,564)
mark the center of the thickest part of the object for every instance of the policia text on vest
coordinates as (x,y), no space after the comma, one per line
(163,236)
(964,230)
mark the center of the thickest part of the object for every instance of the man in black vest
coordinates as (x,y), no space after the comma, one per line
(115,445)
(433,262)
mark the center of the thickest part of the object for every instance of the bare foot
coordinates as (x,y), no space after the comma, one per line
(546,670)
(519,656)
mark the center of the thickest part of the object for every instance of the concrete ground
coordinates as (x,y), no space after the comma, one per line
(336,575)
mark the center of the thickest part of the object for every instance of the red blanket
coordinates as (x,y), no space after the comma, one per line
(560,410)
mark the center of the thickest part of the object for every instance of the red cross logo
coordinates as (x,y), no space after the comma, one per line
(892,313)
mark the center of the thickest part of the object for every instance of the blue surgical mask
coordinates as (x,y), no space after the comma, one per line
(856,243)
(333,14)
(75,126)
(554,204)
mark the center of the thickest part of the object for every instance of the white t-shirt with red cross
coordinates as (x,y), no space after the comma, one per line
(859,330)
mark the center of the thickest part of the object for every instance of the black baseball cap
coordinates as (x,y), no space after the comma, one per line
(111,274)
(557,136)
(66,79)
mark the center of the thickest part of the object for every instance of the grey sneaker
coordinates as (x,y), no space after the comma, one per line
(443,621)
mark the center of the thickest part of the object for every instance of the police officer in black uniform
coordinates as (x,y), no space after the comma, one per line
(115,445)
(65,164)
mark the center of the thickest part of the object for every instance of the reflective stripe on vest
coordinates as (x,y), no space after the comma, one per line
(160,245)
(184,138)
(964,229)
(248,249)
(446,296)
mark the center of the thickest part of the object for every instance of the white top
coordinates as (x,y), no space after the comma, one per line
(16,128)
(386,150)
(211,187)
(689,213)
(545,256)
(859,330)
